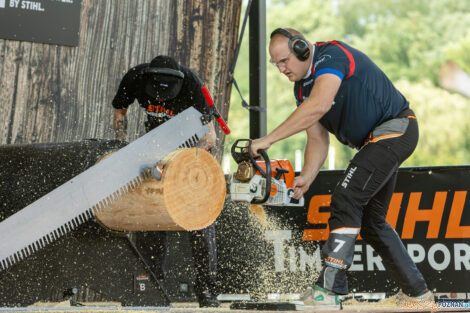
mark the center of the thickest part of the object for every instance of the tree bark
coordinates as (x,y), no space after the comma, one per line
(55,93)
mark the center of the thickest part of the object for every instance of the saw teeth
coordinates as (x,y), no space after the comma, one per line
(83,217)
(47,235)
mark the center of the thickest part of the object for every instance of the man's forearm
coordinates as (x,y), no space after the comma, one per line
(316,151)
(310,111)
(312,163)
(299,120)
(120,124)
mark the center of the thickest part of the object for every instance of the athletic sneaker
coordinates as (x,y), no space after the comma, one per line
(426,299)
(319,298)
(208,300)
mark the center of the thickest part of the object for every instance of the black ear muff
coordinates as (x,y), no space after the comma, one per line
(297,44)
(163,83)
(299,47)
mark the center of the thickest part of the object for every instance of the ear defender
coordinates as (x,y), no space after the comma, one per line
(163,83)
(297,44)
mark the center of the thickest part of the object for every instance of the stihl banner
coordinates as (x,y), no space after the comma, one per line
(430,210)
(45,21)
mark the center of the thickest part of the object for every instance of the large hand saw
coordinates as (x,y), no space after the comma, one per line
(90,192)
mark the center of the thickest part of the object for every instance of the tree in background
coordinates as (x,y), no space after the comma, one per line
(409,40)
(459,52)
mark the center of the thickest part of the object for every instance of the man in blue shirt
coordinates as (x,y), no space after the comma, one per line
(339,90)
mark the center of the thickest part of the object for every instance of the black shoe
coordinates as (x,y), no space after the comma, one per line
(208,300)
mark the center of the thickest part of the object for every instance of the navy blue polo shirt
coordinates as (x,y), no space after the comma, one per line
(365,99)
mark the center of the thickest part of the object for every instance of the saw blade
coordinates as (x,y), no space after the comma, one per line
(90,192)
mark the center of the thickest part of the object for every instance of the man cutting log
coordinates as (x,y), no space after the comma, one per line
(164,89)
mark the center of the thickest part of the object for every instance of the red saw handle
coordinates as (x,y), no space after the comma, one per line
(220,120)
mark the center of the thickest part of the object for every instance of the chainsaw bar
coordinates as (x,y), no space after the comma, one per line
(92,191)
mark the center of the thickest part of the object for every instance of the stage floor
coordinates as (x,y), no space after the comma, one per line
(351,307)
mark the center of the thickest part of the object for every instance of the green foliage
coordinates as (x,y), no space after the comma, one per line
(459,52)
(409,40)
(443,125)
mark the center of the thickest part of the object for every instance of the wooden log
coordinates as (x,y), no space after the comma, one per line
(189,196)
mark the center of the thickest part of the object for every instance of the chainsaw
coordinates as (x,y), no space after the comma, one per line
(267,182)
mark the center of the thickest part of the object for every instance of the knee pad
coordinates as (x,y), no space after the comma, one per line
(338,251)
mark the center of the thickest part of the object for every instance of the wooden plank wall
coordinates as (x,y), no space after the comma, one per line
(51,93)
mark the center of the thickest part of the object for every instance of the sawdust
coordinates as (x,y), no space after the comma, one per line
(259,213)
(50,304)
(66,304)
(255,269)
(390,302)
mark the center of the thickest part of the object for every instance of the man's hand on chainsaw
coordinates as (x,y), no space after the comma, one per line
(257,144)
(301,185)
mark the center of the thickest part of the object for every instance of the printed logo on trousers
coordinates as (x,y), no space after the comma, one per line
(349,175)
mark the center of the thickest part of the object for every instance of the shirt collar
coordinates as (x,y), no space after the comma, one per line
(309,72)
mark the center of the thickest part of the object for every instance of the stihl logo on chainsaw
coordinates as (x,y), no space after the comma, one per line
(268,182)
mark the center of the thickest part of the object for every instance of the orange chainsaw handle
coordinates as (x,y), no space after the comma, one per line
(220,120)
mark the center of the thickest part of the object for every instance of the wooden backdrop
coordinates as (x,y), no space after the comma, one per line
(51,93)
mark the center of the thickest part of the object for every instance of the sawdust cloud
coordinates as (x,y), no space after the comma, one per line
(251,265)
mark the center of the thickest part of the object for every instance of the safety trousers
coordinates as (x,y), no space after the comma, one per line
(360,202)
(154,247)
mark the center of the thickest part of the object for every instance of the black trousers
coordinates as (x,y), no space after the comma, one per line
(360,202)
(154,247)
